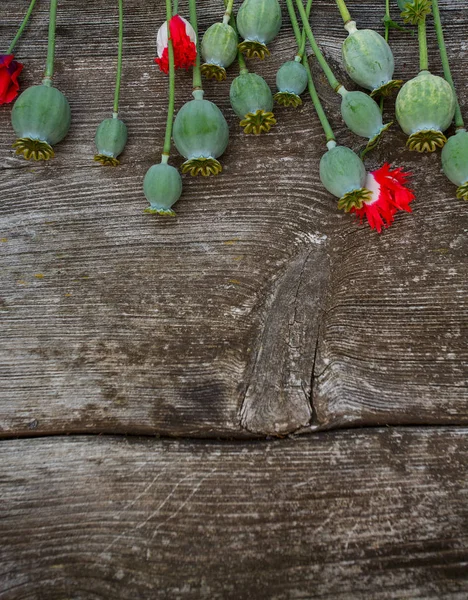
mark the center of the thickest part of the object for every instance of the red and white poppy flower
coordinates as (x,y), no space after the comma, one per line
(184,42)
(389,195)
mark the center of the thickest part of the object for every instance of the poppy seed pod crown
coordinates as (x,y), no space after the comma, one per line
(201,134)
(41,118)
(252,101)
(258,22)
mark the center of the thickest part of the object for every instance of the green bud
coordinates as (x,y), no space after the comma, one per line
(368,60)
(252,101)
(455,161)
(219,49)
(41,118)
(201,134)
(258,22)
(342,171)
(111,137)
(291,81)
(162,186)
(362,115)
(425,107)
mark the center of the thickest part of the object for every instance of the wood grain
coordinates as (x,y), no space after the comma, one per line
(362,515)
(259,309)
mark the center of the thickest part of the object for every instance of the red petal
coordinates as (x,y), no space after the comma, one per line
(9,72)
(185,51)
(393,196)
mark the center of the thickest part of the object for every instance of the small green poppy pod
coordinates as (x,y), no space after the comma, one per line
(252,101)
(219,49)
(412,11)
(344,175)
(201,134)
(110,140)
(162,186)
(41,118)
(455,162)
(362,116)
(368,60)
(291,81)
(258,22)
(424,109)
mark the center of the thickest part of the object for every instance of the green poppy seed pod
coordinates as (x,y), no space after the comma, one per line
(201,134)
(344,175)
(368,60)
(362,116)
(291,81)
(455,162)
(110,140)
(252,101)
(41,118)
(258,22)
(162,186)
(218,49)
(425,107)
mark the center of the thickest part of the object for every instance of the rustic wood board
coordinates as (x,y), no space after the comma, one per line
(359,514)
(259,309)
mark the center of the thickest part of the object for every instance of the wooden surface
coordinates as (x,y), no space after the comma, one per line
(260,309)
(107,517)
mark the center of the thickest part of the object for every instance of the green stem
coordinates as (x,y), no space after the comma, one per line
(317,104)
(423,57)
(227,14)
(49,71)
(175,7)
(22,26)
(387,19)
(459,123)
(344,12)
(197,80)
(335,84)
(240,57)
(302,45)
(119,61)
(300,39)
(170,105)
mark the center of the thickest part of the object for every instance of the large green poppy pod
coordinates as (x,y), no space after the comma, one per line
(162,186)
(362,116)
(344,175)
(218,49)
(41,118)
(412,11)
(110,140)
(258,22)
(424,109)
(368,60)
(252,101)
(291,81)
(201,134)
(455,162)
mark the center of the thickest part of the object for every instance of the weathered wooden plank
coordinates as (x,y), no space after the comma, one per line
(209,325)
(357,514)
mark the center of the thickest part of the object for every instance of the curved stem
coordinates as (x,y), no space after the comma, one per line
(344,12)
(423,57)
(119,61)
(459,123)
(197,80)
(317,104)
(302,45)
(332,80)
(49,71)
(22,26)
(170,104)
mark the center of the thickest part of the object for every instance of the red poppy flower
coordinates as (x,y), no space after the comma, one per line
(9,72)
(183,41)
(389,195)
